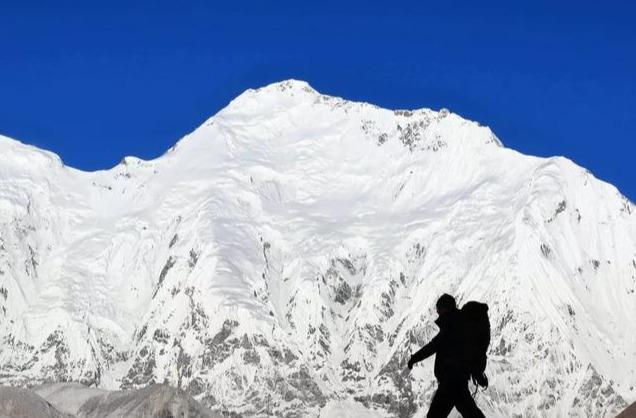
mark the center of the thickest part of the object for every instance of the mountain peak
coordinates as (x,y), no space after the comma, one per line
(287,88)
(290,111)
(290,85)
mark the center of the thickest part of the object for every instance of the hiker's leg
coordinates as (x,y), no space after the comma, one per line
(465,403)
(442,403)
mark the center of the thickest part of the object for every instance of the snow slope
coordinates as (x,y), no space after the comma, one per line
(285,257)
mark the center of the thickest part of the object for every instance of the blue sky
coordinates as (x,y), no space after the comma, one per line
(95,81)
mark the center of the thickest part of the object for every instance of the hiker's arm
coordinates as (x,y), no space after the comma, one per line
(425,352)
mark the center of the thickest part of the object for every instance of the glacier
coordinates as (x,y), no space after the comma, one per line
(284,259)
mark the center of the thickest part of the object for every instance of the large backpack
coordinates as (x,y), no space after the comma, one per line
(477,334)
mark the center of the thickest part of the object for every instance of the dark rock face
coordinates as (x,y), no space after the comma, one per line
(219,347)
(170,262)
(141,372)
(595,393)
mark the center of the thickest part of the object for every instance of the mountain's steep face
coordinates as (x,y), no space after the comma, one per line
(289,252)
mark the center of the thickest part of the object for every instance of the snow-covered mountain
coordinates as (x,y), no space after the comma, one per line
(286,256)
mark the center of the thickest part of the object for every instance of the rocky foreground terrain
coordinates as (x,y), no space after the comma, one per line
(73,400)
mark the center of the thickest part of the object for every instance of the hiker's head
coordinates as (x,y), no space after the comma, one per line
(445,303)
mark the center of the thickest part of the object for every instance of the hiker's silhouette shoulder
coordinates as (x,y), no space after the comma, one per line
(460,353)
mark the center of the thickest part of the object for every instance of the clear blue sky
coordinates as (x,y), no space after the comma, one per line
(95,81)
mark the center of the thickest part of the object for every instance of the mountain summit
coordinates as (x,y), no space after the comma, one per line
(285,259)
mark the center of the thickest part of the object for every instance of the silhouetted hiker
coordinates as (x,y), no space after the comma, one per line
(452,368)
